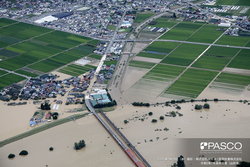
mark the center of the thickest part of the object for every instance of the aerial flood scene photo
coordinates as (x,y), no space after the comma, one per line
(125,83)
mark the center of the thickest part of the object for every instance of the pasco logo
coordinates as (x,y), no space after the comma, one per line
(202,145)
(236,146)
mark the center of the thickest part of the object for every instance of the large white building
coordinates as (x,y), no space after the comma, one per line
(46,19)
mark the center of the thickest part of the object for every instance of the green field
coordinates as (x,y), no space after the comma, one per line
(207,34)
(221,51)
(234,83)
(163,73)
(29,57)
(31,49)
(163,22)
(243,3)
(181,31)
(151,55)
(55,62)
(3,72)
(8,53)
(5,22)
(141,17)
(31,32)
(9,40)
(226,2)
(139,64)
(85,49)
(76,70)
(233,41)
(111,27)
(191,83)
(26,73)
(9,79)
(124,30)
(184,54)
(211,62)
(96,56)
(108,63)
(162,47)
(242,60)
(216,58)
(93,42)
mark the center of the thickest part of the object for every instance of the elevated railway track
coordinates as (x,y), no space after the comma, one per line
(128,151)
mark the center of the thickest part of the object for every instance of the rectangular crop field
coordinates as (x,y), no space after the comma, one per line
(164,73)
(9,79)
(96,56)
(55,62)
(8,53)
(216,58)
(207,34)
(140,64)
(76,70)
(142,17)
(191,83)
(5,22)
(242,60)
(162,47)
(184,55)
(233,41)
(163,23)
(231,83)
(94,42)
(85,49)
(151,55)
(9,40)
(26,73)
(3,72)
(221,51)
(181,31)
(243,3)
(226,2)
(29,33)
(211,62)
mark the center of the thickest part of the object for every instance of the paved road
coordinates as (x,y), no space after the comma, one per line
(12,73)
(169,40)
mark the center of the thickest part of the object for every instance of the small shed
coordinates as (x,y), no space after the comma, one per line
(32,123)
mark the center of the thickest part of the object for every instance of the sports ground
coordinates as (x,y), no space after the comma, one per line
(186,69)
(32,50)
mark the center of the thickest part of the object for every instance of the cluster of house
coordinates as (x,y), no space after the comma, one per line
(243,22)
(90,20)
(154,5)
(116,48)
(16,104)
(79,84)
(192,14)
(43,87)
(10,92)
(105,73)
(101,48)
(100,97)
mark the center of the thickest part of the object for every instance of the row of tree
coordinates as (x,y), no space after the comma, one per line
(110,104)
(140,104)
(167,103)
